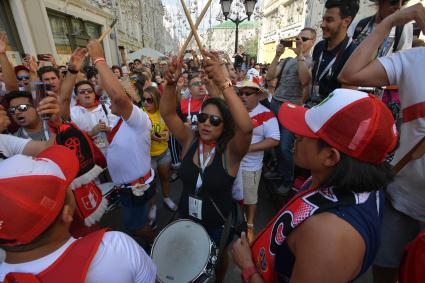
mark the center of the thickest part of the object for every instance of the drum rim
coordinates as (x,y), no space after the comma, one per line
(163,229)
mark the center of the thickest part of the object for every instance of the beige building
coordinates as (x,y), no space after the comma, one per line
(285,18)
(59,26)
(282,19)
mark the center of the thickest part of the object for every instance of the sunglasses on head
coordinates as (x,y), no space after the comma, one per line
(19,107)
(84,91)
(214,119)
(147,100)
(246,93)
(21,78)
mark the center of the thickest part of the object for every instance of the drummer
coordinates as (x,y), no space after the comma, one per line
(330,231)
(210,156)
(128,155)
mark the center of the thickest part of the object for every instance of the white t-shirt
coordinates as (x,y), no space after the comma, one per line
(86,120)
(118,259)
(128,154)
(406,69)
(11,145)
(265,126)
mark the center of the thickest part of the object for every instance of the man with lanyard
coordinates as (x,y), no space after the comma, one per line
(24,114)
(333,51)
(189,108)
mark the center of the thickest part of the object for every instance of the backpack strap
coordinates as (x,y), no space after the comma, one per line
(361,25)
(70,267)
(279,77)
(398,33)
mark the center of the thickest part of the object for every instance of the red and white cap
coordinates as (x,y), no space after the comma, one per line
(354,122)
(32,193)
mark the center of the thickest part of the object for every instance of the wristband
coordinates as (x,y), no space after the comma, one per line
(98,60)
(225,85)
(248,272)
(74,72)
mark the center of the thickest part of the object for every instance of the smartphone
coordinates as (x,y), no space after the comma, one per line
(43,57)
(39,91)
(287,43)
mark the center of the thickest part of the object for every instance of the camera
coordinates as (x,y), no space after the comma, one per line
(287,43)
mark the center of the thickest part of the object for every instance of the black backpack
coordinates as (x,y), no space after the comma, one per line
(365,22)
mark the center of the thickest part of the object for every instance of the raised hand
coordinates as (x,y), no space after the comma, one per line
(173,72)
(215,68)
(95,50)
(3,42)
(4,120)
(77,59)
(413,13)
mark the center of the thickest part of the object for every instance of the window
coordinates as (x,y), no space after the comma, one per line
(7,24)
(60,30)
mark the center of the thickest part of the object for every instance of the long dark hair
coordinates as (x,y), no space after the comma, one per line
(228,122)
(354,175)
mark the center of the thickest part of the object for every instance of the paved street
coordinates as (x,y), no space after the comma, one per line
(267,207)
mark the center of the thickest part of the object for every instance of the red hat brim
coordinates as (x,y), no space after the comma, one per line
(292,117)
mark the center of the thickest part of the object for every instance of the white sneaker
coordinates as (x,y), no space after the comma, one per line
(169,203)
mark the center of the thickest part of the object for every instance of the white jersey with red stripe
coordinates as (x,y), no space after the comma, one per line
(265,126)
(405,69)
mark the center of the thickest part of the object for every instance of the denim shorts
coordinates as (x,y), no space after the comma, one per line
(162,159)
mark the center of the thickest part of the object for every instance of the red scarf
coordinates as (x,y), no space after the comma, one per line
(305,204)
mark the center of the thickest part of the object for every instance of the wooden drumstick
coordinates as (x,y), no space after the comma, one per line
(192,26)
(198,22)
(108,30)
(415,153)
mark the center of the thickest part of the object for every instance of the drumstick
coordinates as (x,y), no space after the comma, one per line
(108,30)
(192,26)
(198,22)
(415,153)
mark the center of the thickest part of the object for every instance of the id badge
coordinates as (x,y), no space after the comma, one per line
(195,207)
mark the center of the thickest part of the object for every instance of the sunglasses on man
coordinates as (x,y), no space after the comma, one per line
(22,78)
(214,119)
(19,107)
(304,39)
(246,93)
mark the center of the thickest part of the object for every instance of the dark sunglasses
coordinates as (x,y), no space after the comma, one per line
(147,100)
(196,84)
(21,78)
(214,119)
(19,107)
(84,91)
(247,93)
(396,2)
(304,39)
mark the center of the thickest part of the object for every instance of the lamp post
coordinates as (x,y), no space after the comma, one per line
(249,9)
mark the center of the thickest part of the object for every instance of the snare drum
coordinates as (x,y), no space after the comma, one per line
(183,252)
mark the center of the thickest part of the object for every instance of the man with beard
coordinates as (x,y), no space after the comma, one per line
(330,54)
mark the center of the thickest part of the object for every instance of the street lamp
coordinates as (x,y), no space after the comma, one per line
(249,9)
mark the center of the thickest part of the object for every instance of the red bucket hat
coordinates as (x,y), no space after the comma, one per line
(354,122)
(32,193)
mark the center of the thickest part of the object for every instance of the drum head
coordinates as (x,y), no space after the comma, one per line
(181,251)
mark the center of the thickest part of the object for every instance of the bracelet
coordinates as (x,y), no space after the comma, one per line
(98,60)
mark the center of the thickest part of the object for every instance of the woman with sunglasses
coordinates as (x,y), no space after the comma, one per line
(160,154)
(210,156)
(92,116)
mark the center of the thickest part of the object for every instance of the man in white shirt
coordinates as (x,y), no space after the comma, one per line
(265,135)
(405,208)
(35,229)
(128,155)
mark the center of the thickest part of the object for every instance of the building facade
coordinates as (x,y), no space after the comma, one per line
(285,18)
(59,26)
(222,36)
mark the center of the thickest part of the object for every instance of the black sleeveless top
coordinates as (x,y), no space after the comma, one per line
(216,181)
